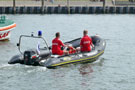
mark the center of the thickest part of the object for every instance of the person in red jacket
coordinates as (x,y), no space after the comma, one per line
(86,42)
(57,44)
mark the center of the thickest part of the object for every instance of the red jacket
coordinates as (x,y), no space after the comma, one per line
(85,43)
(56,46)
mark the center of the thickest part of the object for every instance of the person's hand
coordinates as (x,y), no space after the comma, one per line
(93,48)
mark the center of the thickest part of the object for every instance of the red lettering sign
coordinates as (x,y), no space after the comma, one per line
(0,36)
(4,34)
(7,33)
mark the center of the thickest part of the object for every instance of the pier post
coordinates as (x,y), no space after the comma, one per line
(14,7)
(68,6)
(103,6)
(42,6)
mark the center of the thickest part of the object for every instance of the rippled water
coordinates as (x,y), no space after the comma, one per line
(113,71)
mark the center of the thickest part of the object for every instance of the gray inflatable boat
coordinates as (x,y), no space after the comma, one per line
(46,59)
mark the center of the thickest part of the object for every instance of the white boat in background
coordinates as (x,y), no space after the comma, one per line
(6,26)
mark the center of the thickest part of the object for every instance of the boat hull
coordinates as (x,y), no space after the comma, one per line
(6,26)
(81,57)
(5,35)
(52,61)
(84,59)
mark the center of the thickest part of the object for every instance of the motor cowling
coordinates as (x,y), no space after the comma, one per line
(30,57)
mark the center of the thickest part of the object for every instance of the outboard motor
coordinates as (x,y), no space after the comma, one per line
(31,57)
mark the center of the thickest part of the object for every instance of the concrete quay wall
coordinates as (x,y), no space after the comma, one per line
(68,10)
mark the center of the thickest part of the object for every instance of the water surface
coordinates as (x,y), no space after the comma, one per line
(113,71)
